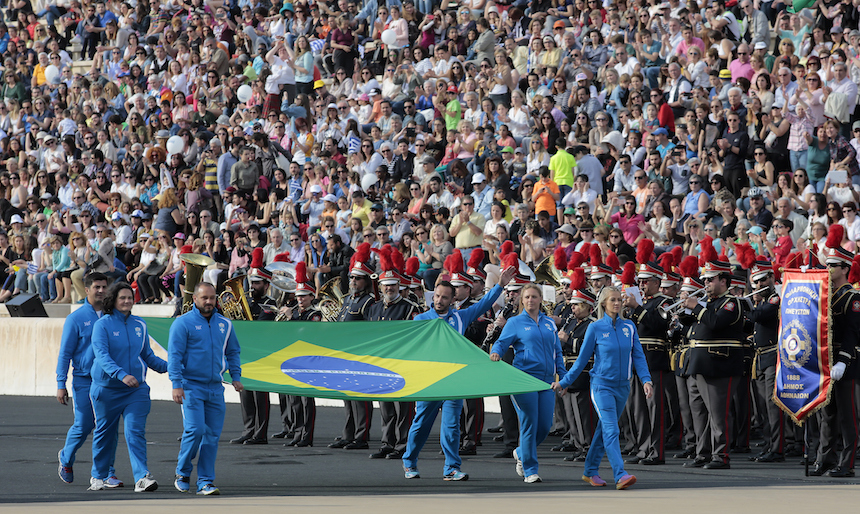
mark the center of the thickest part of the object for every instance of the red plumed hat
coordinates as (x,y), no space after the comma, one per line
(303,285)
(560,259)
(397,260)
(507,247)
(511,261)
(575,261)
(708,253)
(643,251)
(689,267)
(283,257)
(595,256)
(358,263)
(628,276)
(454,262)
(612,261)
(473,267)
(678,253)
(185,249)
(257,258)
(412,265)
(585,250)
(577,279)
(854,273)
(835,234)
(745,254)
(385,263)
(666,261)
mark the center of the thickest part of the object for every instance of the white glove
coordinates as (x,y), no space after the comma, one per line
(837,371)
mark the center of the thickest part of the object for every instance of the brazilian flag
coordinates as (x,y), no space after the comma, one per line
(366,360)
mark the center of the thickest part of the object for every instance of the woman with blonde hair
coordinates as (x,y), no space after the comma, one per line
(614,343)
(538,156)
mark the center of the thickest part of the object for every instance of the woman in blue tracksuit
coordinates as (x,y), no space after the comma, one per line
(122,356)
(614,343)
(537,351)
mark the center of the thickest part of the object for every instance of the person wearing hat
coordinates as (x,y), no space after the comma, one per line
(577,403)
(715,360)
(448,104)
(355,307)
(396,416)
(765,318)
(837,418)
(303,407)
(653,326)
(426,412)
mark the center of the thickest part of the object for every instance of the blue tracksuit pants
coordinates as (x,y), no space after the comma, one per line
(202,419)
(609,403)
(109,404)
(425,416)
(535,412)
(84,420)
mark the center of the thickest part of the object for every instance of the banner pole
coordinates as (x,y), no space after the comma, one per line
(805,449)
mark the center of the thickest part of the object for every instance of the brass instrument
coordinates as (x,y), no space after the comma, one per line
(330,299)
(195,264)
(375,284)
(234,300)
(667,312)
(546,273)
(757,291)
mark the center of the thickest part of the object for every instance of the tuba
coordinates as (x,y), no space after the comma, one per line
(547,273)
(330,299)
(194,266)
(234,300)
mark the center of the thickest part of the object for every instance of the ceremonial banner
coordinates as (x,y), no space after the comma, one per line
(366,360)
(803,367)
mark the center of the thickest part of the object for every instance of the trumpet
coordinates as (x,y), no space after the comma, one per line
(667,312)
(757,291)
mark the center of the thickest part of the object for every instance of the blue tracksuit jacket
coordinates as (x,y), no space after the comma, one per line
(201,350)
(616,349)
(537,349)
(120,348)
(75,345)
(461,319)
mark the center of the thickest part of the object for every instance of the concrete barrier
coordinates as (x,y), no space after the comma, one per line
(28,357)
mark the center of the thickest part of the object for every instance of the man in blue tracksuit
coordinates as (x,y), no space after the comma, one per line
(121,357)
(202,346)
(76,347)
(614,343)
(537,351)
(425,412)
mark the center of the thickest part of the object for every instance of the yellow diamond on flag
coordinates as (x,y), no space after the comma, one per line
(308,366)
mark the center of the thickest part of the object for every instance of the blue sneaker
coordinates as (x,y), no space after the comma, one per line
(112,482)
(455,476)
(65,472)
(208,490)
(182,484)
(411,472)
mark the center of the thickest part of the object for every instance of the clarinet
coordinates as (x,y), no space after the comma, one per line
(507,310)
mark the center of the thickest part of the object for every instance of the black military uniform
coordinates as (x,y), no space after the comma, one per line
(649,419)
(578,409)
(396,416)
(838,417)
(715,360)
(765,319)
(303,409)
(472,417)
(359,414)
(510,422)
(255,405)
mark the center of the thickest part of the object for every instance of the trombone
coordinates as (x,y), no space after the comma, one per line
(666,312)
(757,291)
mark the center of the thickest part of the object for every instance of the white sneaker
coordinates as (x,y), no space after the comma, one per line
(520,471)
(146,484)
(76,40)
(532,479)
(96,484)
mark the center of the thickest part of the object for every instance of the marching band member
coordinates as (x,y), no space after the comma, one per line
(653,327)
(670,285)
(577,403)
(537,351)
(742,398)
(715,360)
(614,344)
(359,414)
(684,382)
(765,318)
(396,416)
(303,409)
(838,417)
